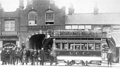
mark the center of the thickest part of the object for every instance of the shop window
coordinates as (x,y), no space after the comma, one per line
(49,17)
(91,47)
(9,25)
(32,18)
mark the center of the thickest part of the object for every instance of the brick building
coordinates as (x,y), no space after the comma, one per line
(106,22)
(42,16)
(27,24)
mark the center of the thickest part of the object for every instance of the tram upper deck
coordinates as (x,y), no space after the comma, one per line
(79,41)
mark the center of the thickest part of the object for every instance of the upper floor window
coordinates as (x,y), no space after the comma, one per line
(82,27)
(87,27)
(107,29)
(68,27)
(97,28)
(49,17)
(9,25)
(74,27)
(32,18)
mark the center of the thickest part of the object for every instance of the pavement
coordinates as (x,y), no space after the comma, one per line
(53,67)
(115,65)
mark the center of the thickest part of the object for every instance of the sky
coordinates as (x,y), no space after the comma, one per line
(81,6)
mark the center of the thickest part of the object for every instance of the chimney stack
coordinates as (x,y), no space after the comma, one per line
(96,9)
(71,9)
(64,9)
(21,4)
(52,2)
(29,2)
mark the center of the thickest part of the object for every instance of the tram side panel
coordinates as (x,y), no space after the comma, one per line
(72,51)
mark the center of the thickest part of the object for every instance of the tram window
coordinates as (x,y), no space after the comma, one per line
(58,38)
(64,38)
(90,38)
(65,46)
(70,38)
(77,38)
(97,38)
(71,46)
(83,38)
(84,46)
(77,47)
(90,46)
(58,45)
(97,46)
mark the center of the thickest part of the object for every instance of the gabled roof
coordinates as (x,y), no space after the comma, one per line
(90,18)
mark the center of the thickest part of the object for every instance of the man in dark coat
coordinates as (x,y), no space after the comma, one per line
(23,56)
(32,57)
(3,56)
(42,56)
(27,56)
(109,58)
(7,57)
(38,56)
(12,56)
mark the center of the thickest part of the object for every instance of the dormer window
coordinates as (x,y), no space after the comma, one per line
(32,18)
(49,17)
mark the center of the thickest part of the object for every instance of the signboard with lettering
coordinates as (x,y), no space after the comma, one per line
(43,27)
(79,33)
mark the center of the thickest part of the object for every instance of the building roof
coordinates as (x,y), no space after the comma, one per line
(90,18)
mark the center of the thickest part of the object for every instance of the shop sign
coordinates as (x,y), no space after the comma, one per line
(45,27)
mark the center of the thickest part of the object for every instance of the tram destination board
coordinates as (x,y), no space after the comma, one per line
(79,33)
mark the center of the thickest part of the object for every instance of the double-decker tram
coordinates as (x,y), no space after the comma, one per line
(81,47)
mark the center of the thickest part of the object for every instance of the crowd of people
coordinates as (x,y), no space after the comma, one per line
(15,55)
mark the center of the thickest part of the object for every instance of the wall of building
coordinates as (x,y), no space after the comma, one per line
(8,15)
(40,6)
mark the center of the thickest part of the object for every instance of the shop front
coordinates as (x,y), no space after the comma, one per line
(9,41)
